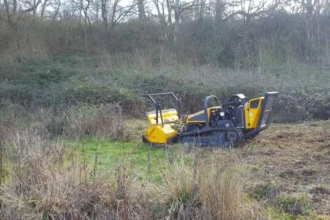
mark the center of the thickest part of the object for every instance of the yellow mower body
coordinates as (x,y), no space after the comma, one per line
(217,124)
(252,111)
(160,133)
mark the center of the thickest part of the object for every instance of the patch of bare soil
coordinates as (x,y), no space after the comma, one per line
(292,160)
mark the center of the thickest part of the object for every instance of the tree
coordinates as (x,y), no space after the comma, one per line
(164,9)
(141,11)
(164,15)
(114,13)
(43,8)
(178,9)
(11,8)
(311,10)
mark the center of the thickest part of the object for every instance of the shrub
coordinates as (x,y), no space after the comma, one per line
(103,121)
(293,107)
(293,204)
(20,94)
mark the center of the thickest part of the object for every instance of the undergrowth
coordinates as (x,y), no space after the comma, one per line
(104,176)
(80,121)
(49,180)
(62,81)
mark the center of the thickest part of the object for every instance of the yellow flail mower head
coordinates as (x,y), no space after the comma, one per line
(222,125)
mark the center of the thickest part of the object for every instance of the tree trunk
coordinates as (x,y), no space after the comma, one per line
(104,13)
(7,11)
(202,10)
(219,9)
(97,10)
(176,21)
(1,160)
(114,10)
(34,8)
(142,14)
(43,8)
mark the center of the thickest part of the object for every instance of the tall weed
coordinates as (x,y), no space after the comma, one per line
(206,187)
(47,180)
(102,121)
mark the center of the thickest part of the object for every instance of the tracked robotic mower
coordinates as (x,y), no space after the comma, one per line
(219,125)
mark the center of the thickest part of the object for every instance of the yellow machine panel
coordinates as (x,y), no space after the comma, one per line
(252,112)
(169,115)
(199,117)
(160,134)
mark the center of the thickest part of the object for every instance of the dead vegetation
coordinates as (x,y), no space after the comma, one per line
(286,168)
(293,167)
(47,180)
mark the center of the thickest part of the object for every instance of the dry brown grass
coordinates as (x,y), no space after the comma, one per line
(103,121)
(286,167)
(209,187)
(45,180)
(222,189)
(290,162)
(221,192)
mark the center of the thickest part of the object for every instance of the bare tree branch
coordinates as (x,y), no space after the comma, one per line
(123,12)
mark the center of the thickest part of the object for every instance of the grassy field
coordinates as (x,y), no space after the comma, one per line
(285,169)
(282,174)
(70,137)
(72,110)
(146,161)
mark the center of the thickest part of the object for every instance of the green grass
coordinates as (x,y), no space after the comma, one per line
(145,161)
(278,214)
